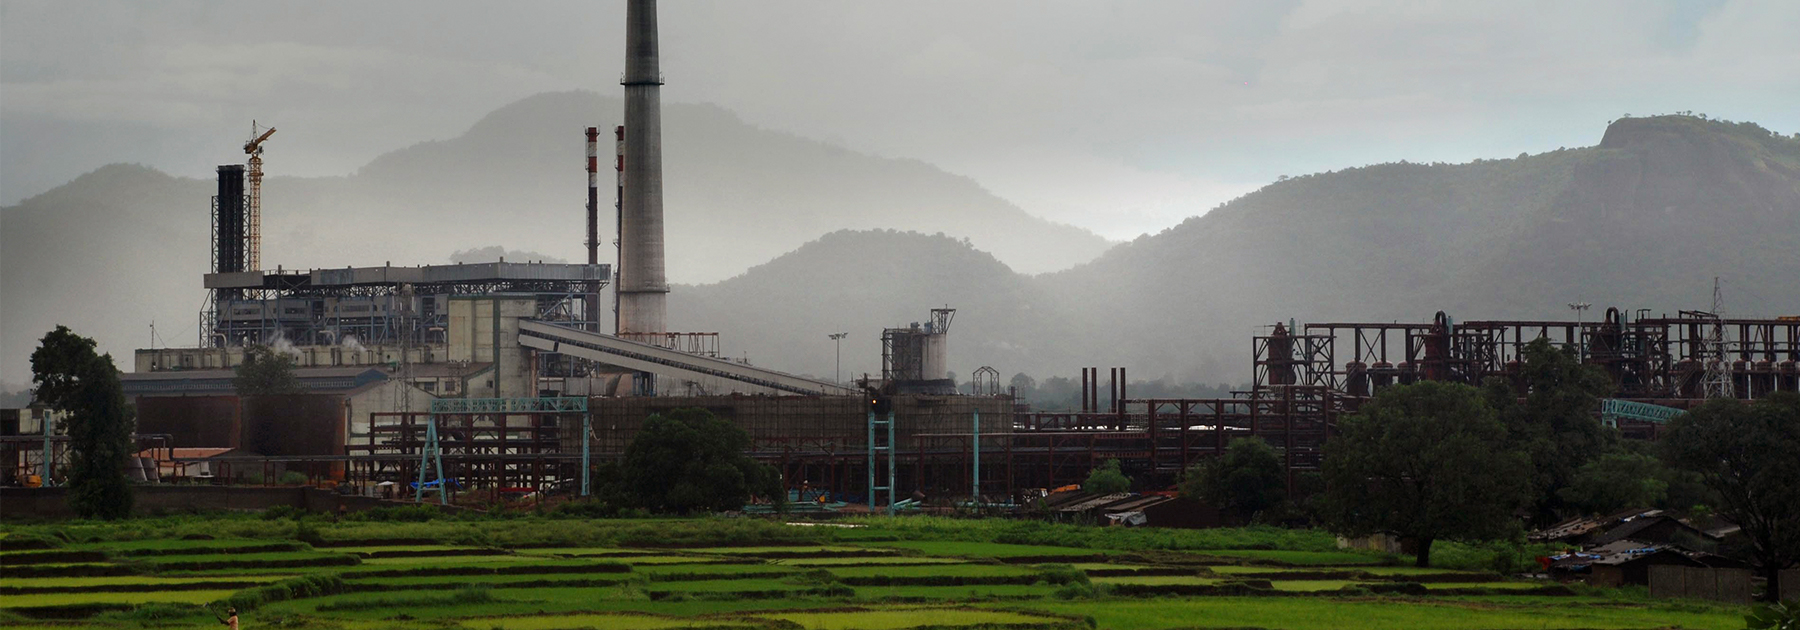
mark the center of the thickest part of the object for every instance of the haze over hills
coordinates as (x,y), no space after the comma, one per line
(124,245)
(1645,219)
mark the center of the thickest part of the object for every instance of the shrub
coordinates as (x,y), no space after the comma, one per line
(282,511)
(474,594)
(402,514)
(293,478)
(296,588)
(585,508)
(1061,574)
(308,533)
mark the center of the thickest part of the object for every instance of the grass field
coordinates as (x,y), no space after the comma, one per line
(890,574)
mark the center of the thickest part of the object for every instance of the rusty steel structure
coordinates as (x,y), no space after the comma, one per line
(1655,359)
(1304,377)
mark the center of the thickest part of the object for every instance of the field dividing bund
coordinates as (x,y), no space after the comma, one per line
(917,573)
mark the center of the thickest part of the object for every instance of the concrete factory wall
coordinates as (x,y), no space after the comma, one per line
(486,330)
(298,424)
(193,421)
(387,396)
(841,419)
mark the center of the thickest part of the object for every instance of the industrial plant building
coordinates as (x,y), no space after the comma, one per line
(505,376)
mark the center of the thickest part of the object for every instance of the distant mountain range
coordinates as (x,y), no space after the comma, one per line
(122,246)
(1646,219)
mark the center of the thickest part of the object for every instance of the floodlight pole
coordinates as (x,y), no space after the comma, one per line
(1580,328)
(837,375)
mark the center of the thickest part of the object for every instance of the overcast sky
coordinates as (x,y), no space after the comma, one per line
(1121,117)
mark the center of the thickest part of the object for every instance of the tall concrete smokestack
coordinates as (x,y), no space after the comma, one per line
(643,288)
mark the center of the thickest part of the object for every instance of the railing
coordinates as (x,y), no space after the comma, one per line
(563,404)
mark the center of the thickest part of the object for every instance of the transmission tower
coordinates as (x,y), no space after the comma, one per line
(1715,357)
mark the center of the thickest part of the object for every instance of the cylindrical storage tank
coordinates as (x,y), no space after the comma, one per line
(1408,373)
(1789,378)
(1356,378)
(1740,378)
(1762,378)
(935,365)
(1381,375)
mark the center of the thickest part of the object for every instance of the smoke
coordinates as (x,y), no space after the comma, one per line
(350,343)
(281,345)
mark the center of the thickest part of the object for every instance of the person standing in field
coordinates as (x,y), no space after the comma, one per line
(230,620)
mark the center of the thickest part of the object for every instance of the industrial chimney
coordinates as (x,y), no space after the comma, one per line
(642,287)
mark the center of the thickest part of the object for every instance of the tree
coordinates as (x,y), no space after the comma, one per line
(1616,481)
(265,372)
(689,460)
(1247,480)
(1107,479)
(1555,424)
(1024,386)
(72,378)
(1423,461)
(1749,454)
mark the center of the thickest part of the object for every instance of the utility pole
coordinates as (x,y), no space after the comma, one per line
(1580,330)
(837,375)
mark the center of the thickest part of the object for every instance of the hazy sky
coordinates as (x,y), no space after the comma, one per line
(1121,117)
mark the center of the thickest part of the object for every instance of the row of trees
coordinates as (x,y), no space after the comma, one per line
(1444,461)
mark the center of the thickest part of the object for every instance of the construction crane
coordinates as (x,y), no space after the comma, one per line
(253,203)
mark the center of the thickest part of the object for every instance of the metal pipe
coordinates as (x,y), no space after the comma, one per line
(592,305)
(975,487)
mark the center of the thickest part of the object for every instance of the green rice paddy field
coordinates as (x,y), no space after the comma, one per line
(535,573)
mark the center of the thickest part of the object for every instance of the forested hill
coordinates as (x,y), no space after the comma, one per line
(122,246)
(781,313)
(1645,219)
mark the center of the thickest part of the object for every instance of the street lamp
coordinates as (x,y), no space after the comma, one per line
(838,374)
(1580,340)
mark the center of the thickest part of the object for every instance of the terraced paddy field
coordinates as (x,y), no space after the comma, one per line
(537,573)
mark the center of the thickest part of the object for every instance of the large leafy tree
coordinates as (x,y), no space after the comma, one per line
(1425,461)
(1107,479)
(1555,423)
(265,372)
(689,460)
(1749,455)
(1247,480)
(71,377)
(1615,481)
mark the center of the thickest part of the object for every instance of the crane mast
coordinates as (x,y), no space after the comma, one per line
(253,199)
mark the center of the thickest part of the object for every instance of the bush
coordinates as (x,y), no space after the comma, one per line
(1061,574)
(296,588)
(585,508)
(308,533)
(475,594)
(282,511)
(403,514)
(293,478)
